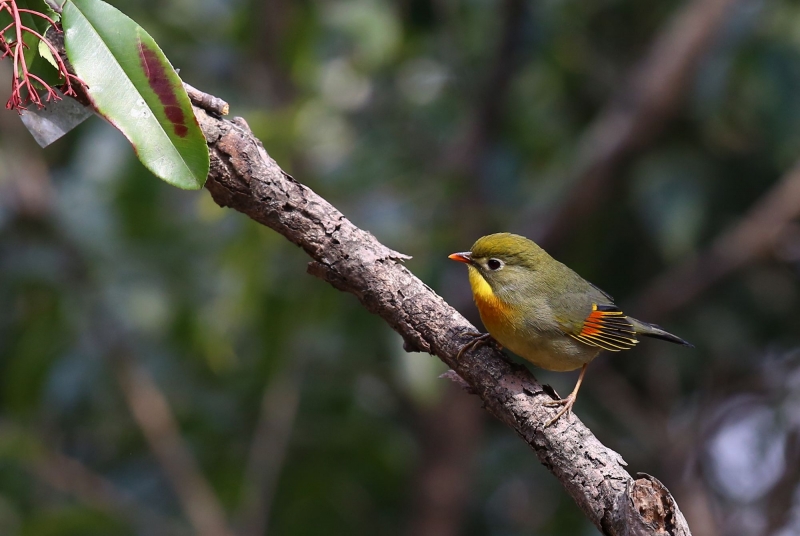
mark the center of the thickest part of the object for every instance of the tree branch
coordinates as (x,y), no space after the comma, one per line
(636,113)
(245,178)
(70,476)
(152,413)
(754,236)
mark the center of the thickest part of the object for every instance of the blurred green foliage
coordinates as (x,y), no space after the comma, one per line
(364,101)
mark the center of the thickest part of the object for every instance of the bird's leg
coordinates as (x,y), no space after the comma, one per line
(566,402)
(479,338)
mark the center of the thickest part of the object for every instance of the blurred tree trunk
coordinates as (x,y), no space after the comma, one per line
(450,435)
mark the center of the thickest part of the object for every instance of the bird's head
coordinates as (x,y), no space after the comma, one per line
(505,261)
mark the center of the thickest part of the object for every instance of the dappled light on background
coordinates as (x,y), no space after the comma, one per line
(326,134)
(421,80)
(343,87)
(746,455)
(177,357)
(751,448)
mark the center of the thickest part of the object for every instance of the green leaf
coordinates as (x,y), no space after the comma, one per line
(132,84)
(40,24)
(44,52)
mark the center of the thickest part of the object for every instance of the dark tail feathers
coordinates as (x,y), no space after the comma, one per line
(654,331)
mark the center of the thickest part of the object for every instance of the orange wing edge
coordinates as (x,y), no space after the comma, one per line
(608,328)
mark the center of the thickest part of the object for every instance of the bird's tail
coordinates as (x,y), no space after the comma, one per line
(652,330)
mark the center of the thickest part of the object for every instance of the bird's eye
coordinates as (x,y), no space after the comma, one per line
(494,264)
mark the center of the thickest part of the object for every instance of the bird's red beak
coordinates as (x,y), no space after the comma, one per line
(465,257)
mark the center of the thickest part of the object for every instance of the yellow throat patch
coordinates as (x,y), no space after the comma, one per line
(492,309)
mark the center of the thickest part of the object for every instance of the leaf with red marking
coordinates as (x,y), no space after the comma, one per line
(132,84)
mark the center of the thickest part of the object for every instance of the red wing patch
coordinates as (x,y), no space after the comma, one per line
(608,328)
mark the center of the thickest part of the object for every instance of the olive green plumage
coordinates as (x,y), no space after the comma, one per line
(529,275)
(543,311)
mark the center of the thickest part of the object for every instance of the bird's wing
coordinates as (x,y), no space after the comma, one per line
(588,314)
(606,327)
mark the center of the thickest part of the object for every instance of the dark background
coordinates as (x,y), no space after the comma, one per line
(166,364)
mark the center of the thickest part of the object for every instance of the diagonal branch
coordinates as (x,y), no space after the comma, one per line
(636,113)
(754,236)
(152,413)
(245,178)
(70,476)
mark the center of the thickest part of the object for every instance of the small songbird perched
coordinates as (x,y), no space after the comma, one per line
(544,312)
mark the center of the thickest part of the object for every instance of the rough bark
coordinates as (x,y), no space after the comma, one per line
(245,178)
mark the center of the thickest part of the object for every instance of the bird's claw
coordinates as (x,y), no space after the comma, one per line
(566,402)
(478,339)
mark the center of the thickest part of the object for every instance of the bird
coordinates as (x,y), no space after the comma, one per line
(545,312)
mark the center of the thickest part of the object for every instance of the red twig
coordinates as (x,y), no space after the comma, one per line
(62,68)
(23,79)
(36,13)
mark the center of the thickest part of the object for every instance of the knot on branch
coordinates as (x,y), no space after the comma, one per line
(650,509)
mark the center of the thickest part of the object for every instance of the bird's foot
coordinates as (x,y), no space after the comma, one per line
(478,339)
(567,409)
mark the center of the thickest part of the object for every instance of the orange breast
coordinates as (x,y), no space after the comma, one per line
(495,314)
(493,311)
